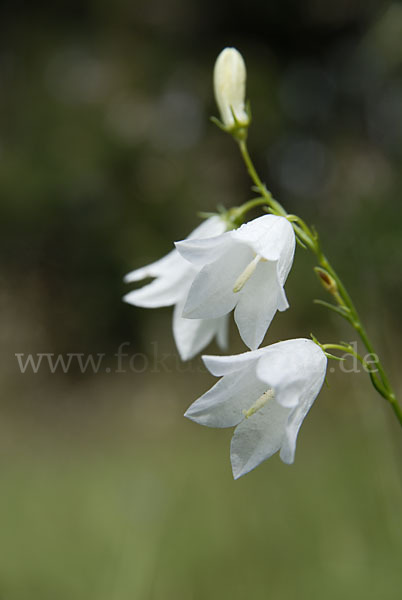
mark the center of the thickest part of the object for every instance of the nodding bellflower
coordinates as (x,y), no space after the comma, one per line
(173,278)
(244,269)
(266,395)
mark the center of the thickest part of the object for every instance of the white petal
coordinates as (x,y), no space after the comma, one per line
(172,261)
(310,392)
(268,236)
(192,335)
(209,228)
(283,303)
(258,302)
(293,425)
(287,253)
(258,437)
(292,368)
(223,365)
(201,252)
(223,404)
(211,294)
(164,291)
(222,333)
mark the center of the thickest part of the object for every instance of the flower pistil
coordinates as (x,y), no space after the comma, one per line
(262,400)
(246,274)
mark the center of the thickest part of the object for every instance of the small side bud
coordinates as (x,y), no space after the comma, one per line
(327,281)
(230,90)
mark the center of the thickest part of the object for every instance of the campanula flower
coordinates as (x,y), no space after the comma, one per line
(173,278)
(244,269)
(266,395)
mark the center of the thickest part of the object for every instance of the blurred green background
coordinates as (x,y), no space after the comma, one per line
(106,155)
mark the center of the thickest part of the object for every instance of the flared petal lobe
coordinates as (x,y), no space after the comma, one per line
(192,335)
(257,438)
(258,303)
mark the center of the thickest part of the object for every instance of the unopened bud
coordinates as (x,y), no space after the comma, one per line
(328,282)
(230,88)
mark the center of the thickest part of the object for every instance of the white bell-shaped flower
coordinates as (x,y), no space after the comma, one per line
(266,394)
(230,87)
(173,278)
(244,269)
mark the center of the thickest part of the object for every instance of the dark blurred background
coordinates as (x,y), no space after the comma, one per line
(106,155)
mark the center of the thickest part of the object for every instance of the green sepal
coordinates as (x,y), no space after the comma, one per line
(219,124)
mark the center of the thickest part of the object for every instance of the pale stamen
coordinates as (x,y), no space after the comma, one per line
(248,271)
(262,400)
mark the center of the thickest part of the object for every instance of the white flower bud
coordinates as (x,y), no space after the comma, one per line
(230,87)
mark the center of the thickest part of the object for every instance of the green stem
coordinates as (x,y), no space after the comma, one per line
(273,204)
(310,239)
(349,349)
(236,215)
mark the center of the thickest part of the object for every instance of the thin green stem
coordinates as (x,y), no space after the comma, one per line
(346,348)
(273,204)
(236,215)
(304,235)
(347,309)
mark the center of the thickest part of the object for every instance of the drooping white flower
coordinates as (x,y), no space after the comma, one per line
(266,394)
(244,269)
(173,278)
(230,87)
